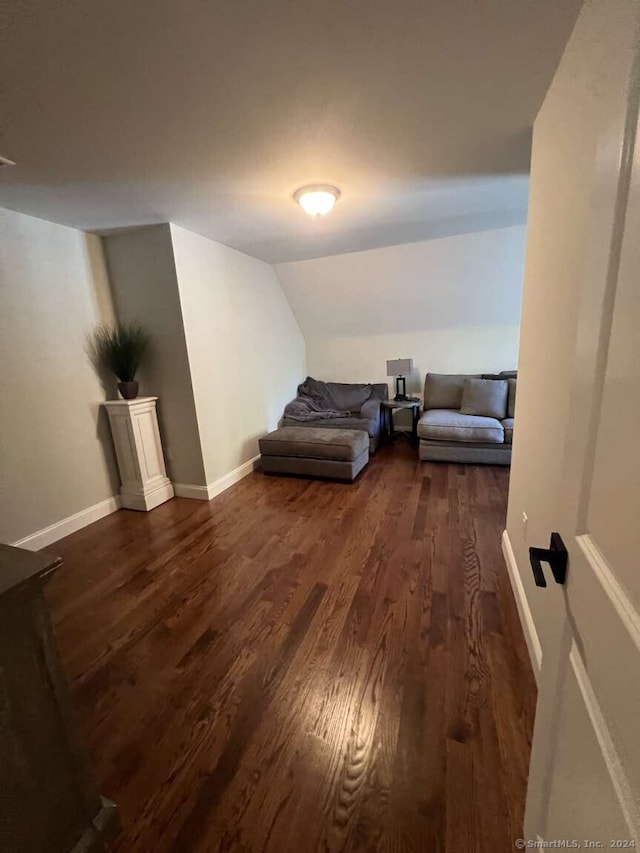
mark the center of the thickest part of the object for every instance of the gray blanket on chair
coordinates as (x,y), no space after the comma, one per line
(313,403)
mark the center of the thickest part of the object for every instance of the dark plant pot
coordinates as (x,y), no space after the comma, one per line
(129,390)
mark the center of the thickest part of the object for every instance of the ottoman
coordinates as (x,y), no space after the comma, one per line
(339,454)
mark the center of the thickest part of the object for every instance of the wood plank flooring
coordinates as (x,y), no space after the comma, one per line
(303,666)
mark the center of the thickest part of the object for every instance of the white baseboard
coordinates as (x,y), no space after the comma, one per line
(232,477)
(49,535)
(524,611)
(147,499)
(206,493)
(185,490)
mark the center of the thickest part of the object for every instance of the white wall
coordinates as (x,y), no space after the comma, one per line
(145,288)
(452,304)
(227,351)
(246,351)
(56,457)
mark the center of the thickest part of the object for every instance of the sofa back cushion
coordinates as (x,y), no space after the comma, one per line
(355,394)
(485,397)
(444,390)
(504,374)
(348,397)
(379,391)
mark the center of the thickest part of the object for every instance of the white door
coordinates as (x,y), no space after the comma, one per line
(584,783)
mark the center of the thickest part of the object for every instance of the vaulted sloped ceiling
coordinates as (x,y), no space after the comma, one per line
(210,114)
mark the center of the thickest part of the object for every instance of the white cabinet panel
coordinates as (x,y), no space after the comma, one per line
(134,427)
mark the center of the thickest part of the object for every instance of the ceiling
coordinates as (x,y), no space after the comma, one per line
(210,114)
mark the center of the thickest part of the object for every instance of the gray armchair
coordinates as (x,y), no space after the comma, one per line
(362,401)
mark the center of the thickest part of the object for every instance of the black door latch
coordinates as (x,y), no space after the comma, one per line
(556,555)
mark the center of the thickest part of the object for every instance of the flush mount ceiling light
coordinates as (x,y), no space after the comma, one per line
(317,199)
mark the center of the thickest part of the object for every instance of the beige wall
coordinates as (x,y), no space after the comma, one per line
(227,352)
(145,288)
(452,304)
(56,456)
(246,351)
(561,203)
(245,357)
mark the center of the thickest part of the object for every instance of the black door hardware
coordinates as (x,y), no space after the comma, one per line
(557,557)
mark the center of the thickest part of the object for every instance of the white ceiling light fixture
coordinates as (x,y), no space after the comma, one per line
(317,199)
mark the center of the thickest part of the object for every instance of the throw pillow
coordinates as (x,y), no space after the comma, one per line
(511,405)
(485,397)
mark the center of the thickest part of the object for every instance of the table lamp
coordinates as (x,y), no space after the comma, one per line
(400,367)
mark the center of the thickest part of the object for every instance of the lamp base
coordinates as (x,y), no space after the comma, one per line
(401,389)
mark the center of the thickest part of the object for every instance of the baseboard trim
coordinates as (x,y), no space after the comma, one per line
(186,490)
(524,611)
(147,500)
(48,535)
(66,526)
(207,493)
(232,477)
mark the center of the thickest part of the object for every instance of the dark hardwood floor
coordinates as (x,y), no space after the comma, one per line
(303,666)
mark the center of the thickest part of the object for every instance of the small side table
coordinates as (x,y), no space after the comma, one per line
(134,427)
(389,407)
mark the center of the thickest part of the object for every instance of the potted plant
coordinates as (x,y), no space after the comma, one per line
(119,349)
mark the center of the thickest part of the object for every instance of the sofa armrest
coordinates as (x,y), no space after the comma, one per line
(371,409)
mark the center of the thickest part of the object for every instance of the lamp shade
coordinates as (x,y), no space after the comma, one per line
(399,367)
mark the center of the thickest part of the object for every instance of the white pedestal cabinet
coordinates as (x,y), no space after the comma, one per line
(134,427)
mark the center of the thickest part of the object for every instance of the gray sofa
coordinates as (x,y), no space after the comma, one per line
(468,418)
(358,403)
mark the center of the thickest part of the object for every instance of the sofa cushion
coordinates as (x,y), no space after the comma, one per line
(511,402)
(448,425)
(485,397)
(370,425)
(444,390)
(315,443)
